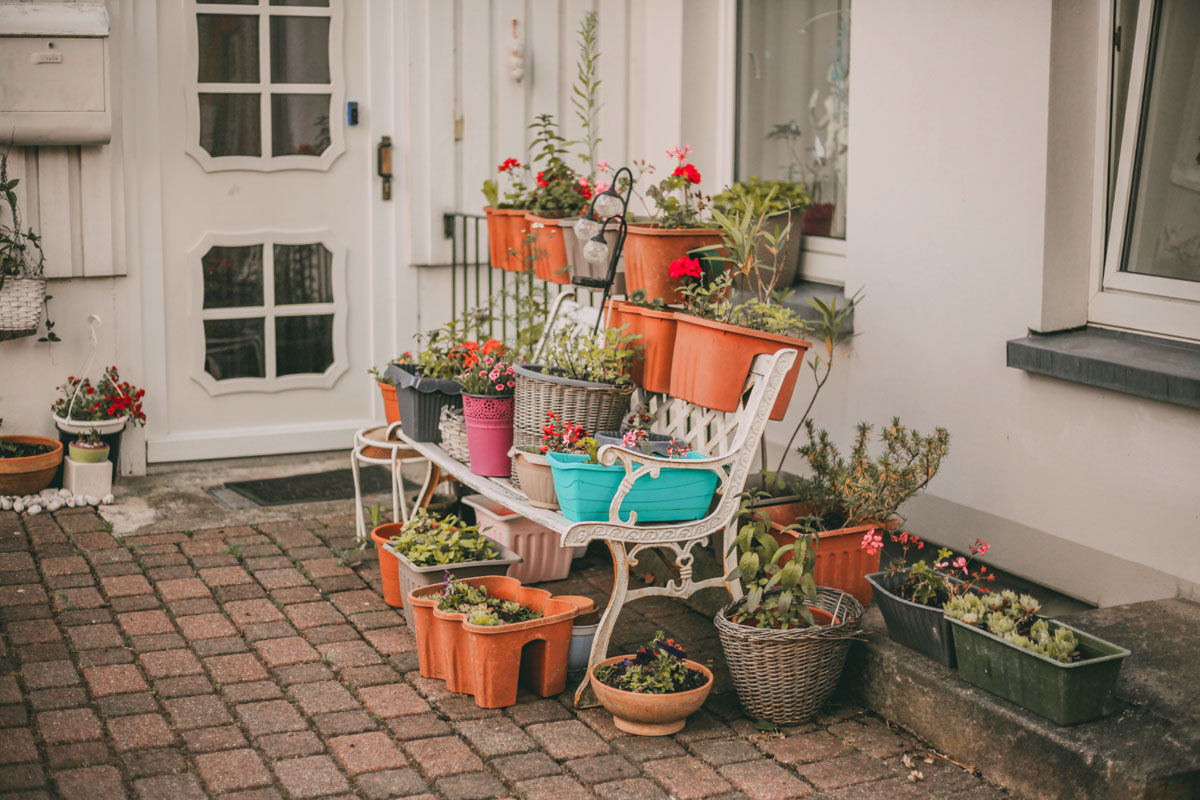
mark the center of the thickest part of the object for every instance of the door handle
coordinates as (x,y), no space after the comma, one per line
(383,165)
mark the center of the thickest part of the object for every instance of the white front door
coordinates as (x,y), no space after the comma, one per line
(268,197)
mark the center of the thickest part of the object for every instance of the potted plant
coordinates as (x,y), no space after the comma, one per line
(506,217)
(781,205)
(635,435)
(1048,667)
(786,640)
(559,193)
(428,544)
(387,386)
(673,231)
(532,465)
(656,325)
(88,448)
(22,270)
(105,407)
(425,387)
(652,692)
(487,395)
(911,596)
(28,463)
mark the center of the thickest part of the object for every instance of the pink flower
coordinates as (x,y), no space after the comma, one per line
(872,542)
(961,563)
(602,186)
(499,387)
(511,384)
(979,548)
(602,166)
(940,565)
(681,152)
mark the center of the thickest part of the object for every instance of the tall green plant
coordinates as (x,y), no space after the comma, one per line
(585,93)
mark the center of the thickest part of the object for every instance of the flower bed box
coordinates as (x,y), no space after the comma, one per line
(586,490)
(412,577)
(922,628)
(543,558)
(1066,694)
(420,401)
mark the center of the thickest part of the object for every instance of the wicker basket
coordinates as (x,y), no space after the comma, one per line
(786,676)
(454,434)
(595,406)
(21,302)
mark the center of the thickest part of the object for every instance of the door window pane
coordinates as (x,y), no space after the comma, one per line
(303,274)
(233,276)
(300,49)
(227,2)
(230,124)
(1163,237)
(235,348)
(228,48)
(793,101)
(303,344)
(299,124)
(320,3)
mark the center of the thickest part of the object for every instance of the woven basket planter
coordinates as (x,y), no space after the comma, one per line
(595,406)
(21,301)
(786,676)
(454,434)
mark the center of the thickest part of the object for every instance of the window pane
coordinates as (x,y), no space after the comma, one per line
(233,276)
(303,274)
(303,344)
(1164,237)
(300,49)
(227,2)
(228,48)
(321,3)
(299,124)
(235,348)
(230,125)
(793,99)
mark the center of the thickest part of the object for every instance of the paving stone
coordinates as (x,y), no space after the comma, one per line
(765,780)
(225,576)
(285,652)
(418,726)
(219,647)
(48,699)
(145,623)
(280,578)
(525,766)
(392,701)
(161,641)
(47,651)
(193,605)
(22,776)
(532,713)
(634,789)
(271,716)
(445,755)
(323,697)
(341,722)
(719,752)
(312,776)
(10,690)
(125,585)
(206,626)
(602,769)
(48,674)
(16,745)
(873,740)
(237,668)
(139,732)
(90,637)
(100,658)
(313,615)
(169,787)
(355,602)
(600,721)
(290,745)
(13,562)
(297,594)
(806,748)
(232,769)
(686,778)
(268,630)
(249,692)
(140,763)
(703,725)
(391,783)
(899,789)
(72,725)
(183,686)
(390,641)
(84,616)
(647,748)
(349,654)
(372,675)
(200,711)
(330,634)
(125,704)
(12,716)
(182,589)
(366,752)
(303,673)
(462,706)
(90,783)
(470,786)
(205,740)
(137,602)
(244,591)
(252,612)
(837,772)
(568,739)
(33,631)
(61,565)
(76,754)
(494,737)
(558,787)
(170,663)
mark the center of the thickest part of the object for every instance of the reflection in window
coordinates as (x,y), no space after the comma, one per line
(793,100)
(228,48)
(299,124)
(303,274)
(235,348)
(299,49)
(233,276)
(303,344)
(230,125)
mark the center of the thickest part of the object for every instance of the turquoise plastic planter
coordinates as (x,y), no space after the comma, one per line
(586,490)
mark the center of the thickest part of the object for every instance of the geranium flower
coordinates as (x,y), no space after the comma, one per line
(602,165)
(688,171)
(540,181)
(509,163)
(684,267)
(681,152)
(602,186)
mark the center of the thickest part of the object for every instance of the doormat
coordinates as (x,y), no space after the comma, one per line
(314,487)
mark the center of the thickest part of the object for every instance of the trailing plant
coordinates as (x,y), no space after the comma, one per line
(490,374)
(768,196)
(110,398)
(559,189)
(656,668)
(562,437)
(866,489)
(21,253)
(603,358)
(514,176)
(759,570)
(678,202)
(480,607)
(949,576)
(428,539)
(1014,619)
(585,92)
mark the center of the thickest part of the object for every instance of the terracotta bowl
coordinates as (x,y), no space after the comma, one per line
(650,714)
(31,474)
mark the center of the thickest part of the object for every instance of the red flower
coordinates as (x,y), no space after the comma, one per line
(540,181)
(688,171)
(492,346)
(509,163)
(684,267)
(584,189)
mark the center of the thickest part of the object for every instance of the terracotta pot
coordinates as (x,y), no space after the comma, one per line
(389,568)
(30,474)
(650,714)
(391,408)
(658,328)
(711,361)
(649,251)
(548,249)
(506,238)
(818,219)
(536,478)
(841,563)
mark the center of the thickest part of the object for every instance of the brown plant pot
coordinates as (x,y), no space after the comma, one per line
(549,249)
(652,370)
(506,238)
(711,361)
(30,474)
(841,562)
(649,251)
(650,714)
(536,479)
(389,567)
(391,408)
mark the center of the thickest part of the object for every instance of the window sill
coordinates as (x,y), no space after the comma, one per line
(1144,366)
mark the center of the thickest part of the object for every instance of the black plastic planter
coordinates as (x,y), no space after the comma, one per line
(1067,694)
(421,401)
(917,627)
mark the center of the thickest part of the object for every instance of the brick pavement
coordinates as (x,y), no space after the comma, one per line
(261,663)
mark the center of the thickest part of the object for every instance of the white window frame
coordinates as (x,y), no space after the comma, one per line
(268,311)
(336,88)
(1127,300)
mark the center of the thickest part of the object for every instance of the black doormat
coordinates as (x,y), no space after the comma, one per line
(315,487)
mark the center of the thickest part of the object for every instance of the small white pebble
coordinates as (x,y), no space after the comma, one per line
(5,504)
(92,500)
(107,499)
(64,492)
(18,506)
(70,502)
(54,505)
(35,509)
(79,501)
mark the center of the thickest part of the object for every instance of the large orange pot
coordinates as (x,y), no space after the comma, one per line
(548,248)
(712,360)
(652,369)
(389,569)
(506,238)
(31,474)
(650,714)
(649,251)
(841,562)
(391,409)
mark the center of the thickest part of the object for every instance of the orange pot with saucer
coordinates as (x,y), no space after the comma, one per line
(649,251)
(548,248)
(841,562)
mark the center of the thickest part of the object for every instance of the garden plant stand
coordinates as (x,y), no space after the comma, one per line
(379,446)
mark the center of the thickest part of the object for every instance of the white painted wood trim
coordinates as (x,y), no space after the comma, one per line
(238,442)
(726,91)
(54,19)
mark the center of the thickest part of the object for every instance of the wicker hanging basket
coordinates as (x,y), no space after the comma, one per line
(786,676)
(595,406)
(21,302)
(454,434)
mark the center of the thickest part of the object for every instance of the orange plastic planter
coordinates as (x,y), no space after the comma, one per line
(549,249)
(649,251)
(712,359)
(506,238)
(389,569)
(391,408)
(485,660)
(841,563)
(652,369)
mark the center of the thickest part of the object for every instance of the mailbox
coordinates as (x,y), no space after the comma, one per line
(54,76)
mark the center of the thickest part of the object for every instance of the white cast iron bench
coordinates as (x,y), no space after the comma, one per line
(728,439)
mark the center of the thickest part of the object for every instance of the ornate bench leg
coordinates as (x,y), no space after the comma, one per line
(608,621)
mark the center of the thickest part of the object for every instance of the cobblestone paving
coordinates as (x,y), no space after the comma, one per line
(256,663)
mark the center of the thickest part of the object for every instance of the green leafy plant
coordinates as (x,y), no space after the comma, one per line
(638,298)
(1014,619)
(428,539)
(559,189)
(678,201)
(752,248)
(21,253)
(11,449)
(930,584)
(765,196)
(657,668)
(446,351)
(480,607)
(604,358)
(585,92)
(404,359)
(760,571)
(89,439)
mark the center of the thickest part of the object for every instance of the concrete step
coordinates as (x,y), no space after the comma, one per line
(1149,750)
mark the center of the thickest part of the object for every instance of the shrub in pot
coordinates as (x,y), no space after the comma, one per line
(652,692)
(107,407)
(781,204)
